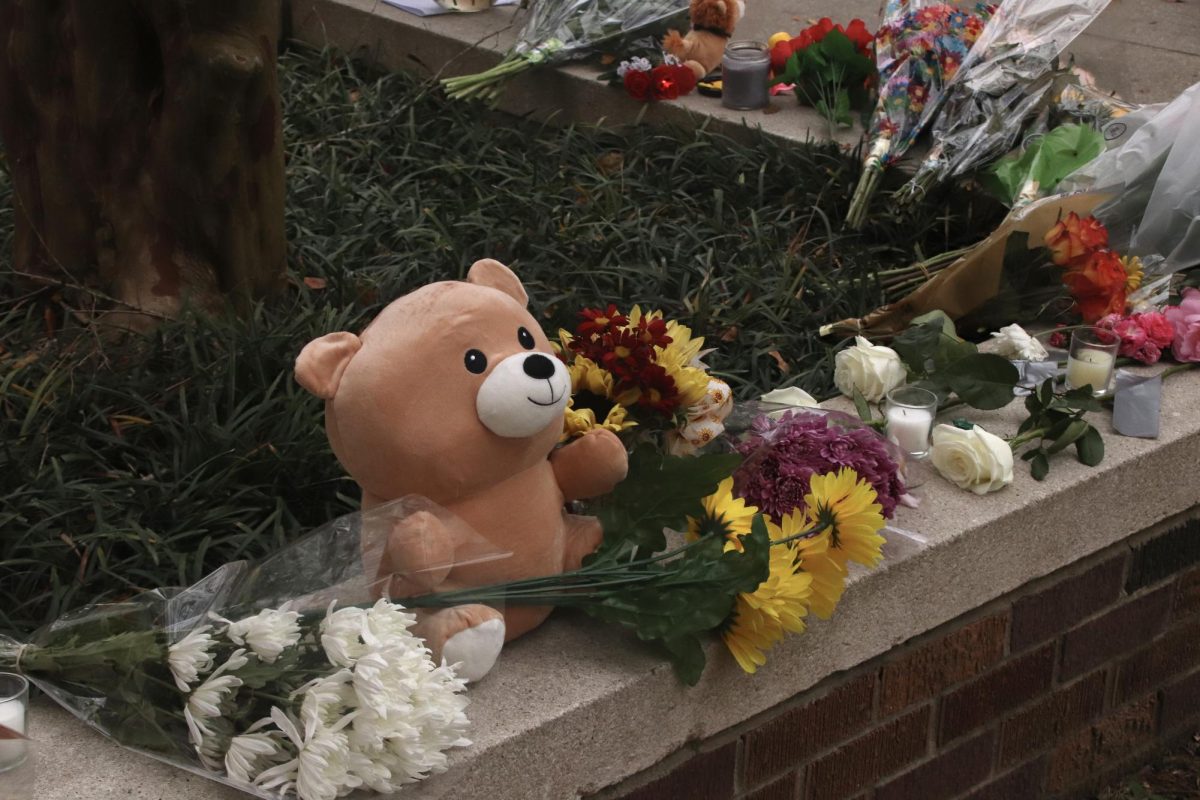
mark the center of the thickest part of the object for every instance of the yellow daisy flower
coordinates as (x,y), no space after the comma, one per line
(828,576)
(845,508)
(692,384)
(1134,272)
(683,349)
(778,606)
(724,515)
(588,376)
(577,422)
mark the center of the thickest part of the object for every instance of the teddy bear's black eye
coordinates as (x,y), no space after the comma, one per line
(526,339)
(476,361)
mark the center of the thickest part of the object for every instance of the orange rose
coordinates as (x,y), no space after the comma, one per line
(1074,238)
(1097,283)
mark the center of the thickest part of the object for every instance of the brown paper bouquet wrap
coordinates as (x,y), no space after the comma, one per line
(975,279)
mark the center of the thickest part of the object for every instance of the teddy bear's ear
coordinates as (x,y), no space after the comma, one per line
(490,272)
(320,365)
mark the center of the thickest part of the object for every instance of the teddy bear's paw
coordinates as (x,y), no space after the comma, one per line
(474,651)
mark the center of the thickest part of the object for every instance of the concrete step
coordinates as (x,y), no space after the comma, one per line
(1145,50)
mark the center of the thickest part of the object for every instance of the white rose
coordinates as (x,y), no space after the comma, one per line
(872,369)
(976,460)
(1014,342)
(792,397)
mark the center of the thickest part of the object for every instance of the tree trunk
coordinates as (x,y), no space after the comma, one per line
(145,146)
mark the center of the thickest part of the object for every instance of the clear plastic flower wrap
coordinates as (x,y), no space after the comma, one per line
(290,676)
(558,31)
(1002,85)
(919,48)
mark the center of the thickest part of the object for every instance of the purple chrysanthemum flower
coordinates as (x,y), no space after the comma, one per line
(781,457)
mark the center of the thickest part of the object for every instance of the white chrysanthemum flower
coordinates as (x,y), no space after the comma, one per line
(341,635)
(671,60)
(641,64)
(268,633)
(388,623)
(347,634)
(321,768)
(204,703)
(327,700)
(409,712)
(251,753)
(191,656)
(212,747)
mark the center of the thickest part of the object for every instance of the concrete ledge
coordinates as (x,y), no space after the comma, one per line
(1145,50)
(576,706)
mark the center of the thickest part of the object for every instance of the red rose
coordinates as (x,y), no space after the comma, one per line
(862,37)
(780,54)
(639,85)
(1097,282)
(821,29)
(671,80)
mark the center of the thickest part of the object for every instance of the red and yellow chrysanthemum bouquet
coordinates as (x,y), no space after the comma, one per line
(640,376)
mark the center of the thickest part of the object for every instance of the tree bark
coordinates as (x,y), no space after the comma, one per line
(144,139)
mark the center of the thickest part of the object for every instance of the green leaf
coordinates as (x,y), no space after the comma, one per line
(984,381)
(1039,466)
(686,654)
(938,317)
(1090,447)
(1045,393)
(1073,430)
(860,405)
(917,346)
(659,492)
(937,386)
(841,109)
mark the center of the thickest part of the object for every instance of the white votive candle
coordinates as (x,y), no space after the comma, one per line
(909,428)
(12,716)
(1090,368)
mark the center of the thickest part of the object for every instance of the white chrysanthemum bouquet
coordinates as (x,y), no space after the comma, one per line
(282,679)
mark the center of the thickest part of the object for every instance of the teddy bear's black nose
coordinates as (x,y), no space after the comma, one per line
(539,366)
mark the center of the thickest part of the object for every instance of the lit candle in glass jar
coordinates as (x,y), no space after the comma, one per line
(1091,360)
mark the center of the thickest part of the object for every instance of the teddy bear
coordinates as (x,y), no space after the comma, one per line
(454,394)
(713,22)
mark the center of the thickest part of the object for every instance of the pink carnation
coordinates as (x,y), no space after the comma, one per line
(1143,336)
(1157,327)
(1185,319)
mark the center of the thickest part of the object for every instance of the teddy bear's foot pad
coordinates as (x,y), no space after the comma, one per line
(475,650)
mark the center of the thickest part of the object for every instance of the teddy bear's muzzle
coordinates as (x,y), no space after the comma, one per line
(523,395)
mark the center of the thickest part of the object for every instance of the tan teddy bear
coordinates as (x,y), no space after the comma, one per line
(453,393)
(713,22)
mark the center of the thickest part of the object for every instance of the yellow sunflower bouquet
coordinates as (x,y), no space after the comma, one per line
(810,548)
(640,375)
(738,574)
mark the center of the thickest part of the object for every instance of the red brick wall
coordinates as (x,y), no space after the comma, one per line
(1047,692)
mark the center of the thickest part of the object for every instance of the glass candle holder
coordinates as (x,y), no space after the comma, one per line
(744,71)
(14,700)
(1091,360)
(909,412)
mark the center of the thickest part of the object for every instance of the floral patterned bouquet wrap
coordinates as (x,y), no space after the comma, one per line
(918,49)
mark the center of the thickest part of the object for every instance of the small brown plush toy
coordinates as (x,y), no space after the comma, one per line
(453,393)
(713,22)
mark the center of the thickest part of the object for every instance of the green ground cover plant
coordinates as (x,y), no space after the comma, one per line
(126,466)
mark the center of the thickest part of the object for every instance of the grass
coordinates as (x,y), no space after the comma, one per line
(128,468)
